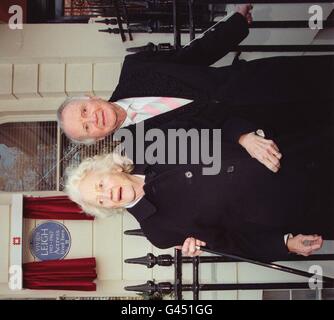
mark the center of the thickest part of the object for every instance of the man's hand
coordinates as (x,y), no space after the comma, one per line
(244,9)
(189,247)
(265,151)
(304,245)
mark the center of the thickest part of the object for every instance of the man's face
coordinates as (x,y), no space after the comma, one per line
(108,190)
(89,119)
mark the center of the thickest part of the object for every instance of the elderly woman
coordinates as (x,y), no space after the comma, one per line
(246,209)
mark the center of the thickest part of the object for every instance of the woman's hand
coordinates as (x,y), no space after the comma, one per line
(263,150)
(189,247)
(304,245)
(245,10)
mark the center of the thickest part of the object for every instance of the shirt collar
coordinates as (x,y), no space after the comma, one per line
(125,104)
(133,203)
(143,208)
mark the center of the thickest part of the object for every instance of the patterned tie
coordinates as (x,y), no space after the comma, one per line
(154,108)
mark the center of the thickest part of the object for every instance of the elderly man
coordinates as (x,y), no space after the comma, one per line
(277,94)
(86,119)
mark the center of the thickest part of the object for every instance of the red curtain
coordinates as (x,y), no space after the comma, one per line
(4,7)
(70,274)
(57,208)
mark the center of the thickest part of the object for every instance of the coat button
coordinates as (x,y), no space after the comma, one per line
(188,174)
(230,169)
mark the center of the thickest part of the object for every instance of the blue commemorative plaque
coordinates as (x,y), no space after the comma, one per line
(50,240)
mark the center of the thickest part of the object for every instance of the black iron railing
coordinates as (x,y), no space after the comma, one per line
(177,287)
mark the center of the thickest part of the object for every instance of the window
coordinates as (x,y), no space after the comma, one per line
(28,156)
(73,154)
(31,158)
(87,8)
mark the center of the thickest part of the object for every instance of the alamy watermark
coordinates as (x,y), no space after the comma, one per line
(16,20)
(15,277)
(316,18)
(315,282)
(178,146)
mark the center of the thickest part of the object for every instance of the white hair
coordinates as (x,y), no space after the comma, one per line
(98,163)
(60,119)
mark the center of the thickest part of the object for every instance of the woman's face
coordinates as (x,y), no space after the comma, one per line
(108,189)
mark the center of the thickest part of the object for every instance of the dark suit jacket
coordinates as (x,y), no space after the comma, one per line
(279,93)
(245,209)
(185,73)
